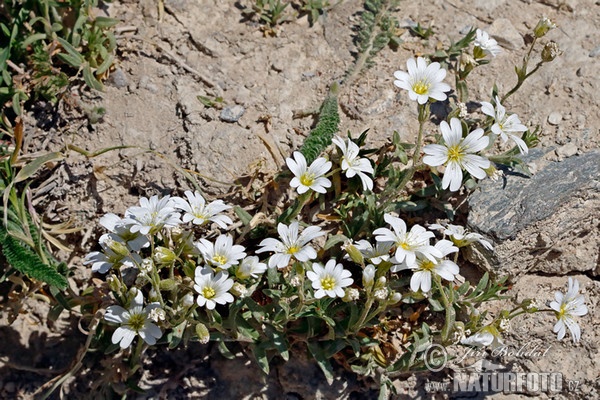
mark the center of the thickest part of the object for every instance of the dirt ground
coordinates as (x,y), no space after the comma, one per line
(206,48)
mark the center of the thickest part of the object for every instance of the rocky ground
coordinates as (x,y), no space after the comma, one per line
(545,228)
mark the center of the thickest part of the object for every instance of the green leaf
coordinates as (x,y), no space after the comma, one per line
(72,51)
(243,215)
(90,79)
(482,283)
(24,260)
(33,38)
(260,354)
(225,352)
(322,360)
(69,59)
(31,168)
(106,64)
(105,22)
(175,336)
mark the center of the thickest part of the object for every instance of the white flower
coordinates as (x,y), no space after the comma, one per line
(488,335)
(213,289)
(457,153)
(250,267)
(103,261)
(460,236)
(487,44)
(408,244)
(120,230)
(352,164)
(329,281)
(423,81)
(291,245)
(134,321)
(504,125)
(223,253)
(152,215)
(424,268)
(377,254)
(567,306)
(197,211)
(306,178)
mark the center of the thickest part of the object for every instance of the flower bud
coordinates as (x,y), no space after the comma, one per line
(188,300)
(550,51)
(542,27)
(368,276)
(394,298)
(147,265)
(117,247)
(239,290)
(113,283)
(163,255)
(355,254)
(167,284)
(152,295)
(202,332)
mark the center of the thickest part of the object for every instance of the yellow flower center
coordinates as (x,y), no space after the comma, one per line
(421,87)
(454,153)
(219,259)
(293,250)
(427,265)
(136,321)
(307,179)
(405,246)
(563,310)
(208,292)
(328,283)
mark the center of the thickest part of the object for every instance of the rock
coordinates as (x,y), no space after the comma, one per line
(232,114)
(118,78)
(554,118)
(545,223)
(506,34)
(595,52)
(566,151)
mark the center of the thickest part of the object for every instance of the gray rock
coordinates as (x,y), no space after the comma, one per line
(232,114)
(545,223)
(503,209)
(506,34)
(118,78)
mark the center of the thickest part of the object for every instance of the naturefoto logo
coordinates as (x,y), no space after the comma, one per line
(486,376)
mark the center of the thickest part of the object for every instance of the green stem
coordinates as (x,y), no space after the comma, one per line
(363,316)
(522,74)
(450,313)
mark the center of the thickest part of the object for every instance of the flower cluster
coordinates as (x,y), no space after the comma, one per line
(206,278)
(459,152)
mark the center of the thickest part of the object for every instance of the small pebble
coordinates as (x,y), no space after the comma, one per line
(595,52)
(232,114)
(118,78)
(554,118)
